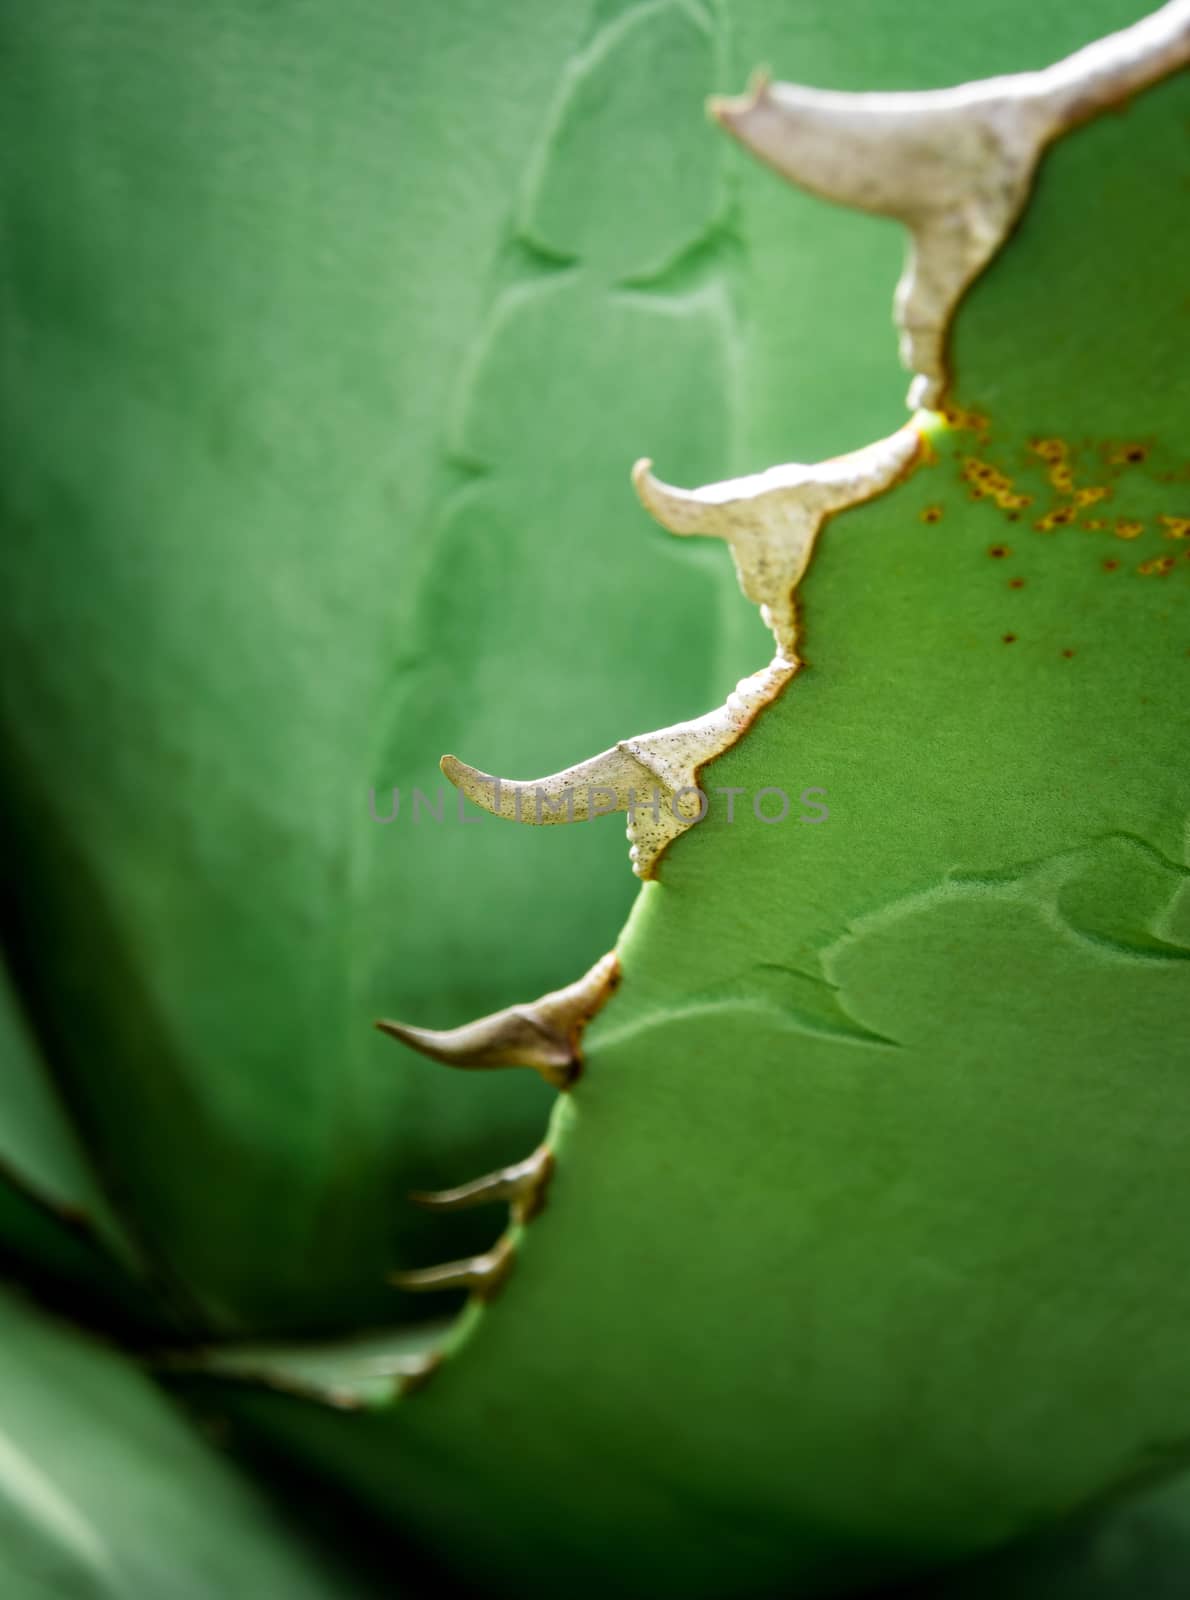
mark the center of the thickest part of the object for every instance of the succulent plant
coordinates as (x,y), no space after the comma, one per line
(833,1235)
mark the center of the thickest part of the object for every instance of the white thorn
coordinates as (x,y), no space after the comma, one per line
(954,165)
(653,777)
(771,519)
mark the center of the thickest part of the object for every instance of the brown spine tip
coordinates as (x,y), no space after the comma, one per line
(522,1186)
(543,1034)
(481,1275)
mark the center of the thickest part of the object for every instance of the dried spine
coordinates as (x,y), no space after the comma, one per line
(545,1035)
(480,1275)
(954,165)
(771,519)
(653,777)
(520,1186)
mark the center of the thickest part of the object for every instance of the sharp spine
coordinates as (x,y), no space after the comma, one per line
(772,519)
(543,1034)
(480,1275)
(954,165)
(521,1186)
(653,777)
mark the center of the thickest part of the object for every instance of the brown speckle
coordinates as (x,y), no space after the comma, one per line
(1051,450)
(1058,517)
(1009,638)
(1128,454)
(1068,654)
(998,551)
(969,421)
(1160,566)
(1091,494)
(1111,564)
(931,514)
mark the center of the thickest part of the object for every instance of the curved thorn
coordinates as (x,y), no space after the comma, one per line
(954,165)
(653,777)
(521,1185)
(569,796)
(506,1039)
(481,1274)
(771,519)
(543,1034)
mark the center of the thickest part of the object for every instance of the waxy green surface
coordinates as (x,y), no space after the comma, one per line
(863,1245)
(106,1493)
(318,413)
(326,358)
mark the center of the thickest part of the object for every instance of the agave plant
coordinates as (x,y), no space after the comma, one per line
(833,1235)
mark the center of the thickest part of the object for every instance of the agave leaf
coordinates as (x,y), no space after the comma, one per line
(367,1371)
(195,866)
(874,1296)
(107,1494)
(1139,1547)
(39,1150)
(297,388)
(56,1224)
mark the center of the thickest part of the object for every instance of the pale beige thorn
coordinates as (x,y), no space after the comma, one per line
(954,165)
(663,800)
(542,1034)
(521,1186)
(771,519)
(597,787)
(616,780)
(481,1274)
(1112,69)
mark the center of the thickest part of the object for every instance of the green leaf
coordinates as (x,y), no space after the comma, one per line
(845,1286)
(292,407)
(1141,1547)
(39,1150)
(55,1221)
(106,1494)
